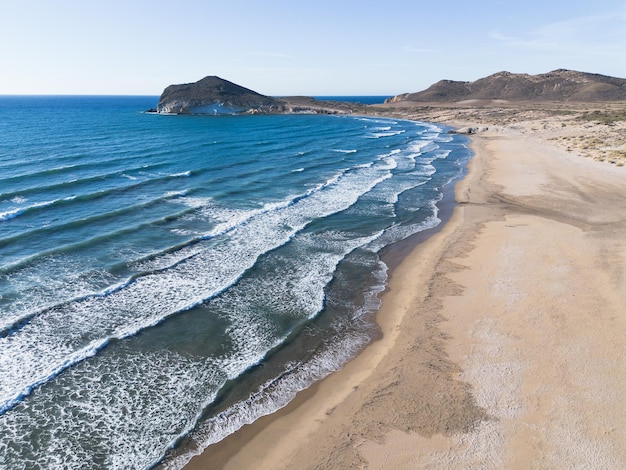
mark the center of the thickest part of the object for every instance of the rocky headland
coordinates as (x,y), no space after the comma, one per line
(215,96)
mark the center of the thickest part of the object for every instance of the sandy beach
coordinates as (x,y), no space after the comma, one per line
(502,334)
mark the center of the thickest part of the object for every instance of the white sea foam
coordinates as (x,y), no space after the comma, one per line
(52,341)
(379,135)
(400,232)
(131,414)
(13,213)
(271,396)
(182,174)
(123,415)
(196,202)
(429,129)
(372,300)
(73,282)
(125,404)
(420,146)
(45,203)
(377,121)
(183,233)
(175,194)
(391,163)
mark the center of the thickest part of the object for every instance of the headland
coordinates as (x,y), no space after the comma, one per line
(215,96)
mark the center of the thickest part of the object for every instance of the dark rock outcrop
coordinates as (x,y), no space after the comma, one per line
(468,130)
(558,85)
(214,95)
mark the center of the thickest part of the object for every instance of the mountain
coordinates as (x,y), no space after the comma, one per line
(214,95)
(558,85)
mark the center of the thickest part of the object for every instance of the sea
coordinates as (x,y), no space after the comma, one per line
(165,280)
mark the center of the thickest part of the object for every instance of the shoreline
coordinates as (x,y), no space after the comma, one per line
(219,454)
(429,390)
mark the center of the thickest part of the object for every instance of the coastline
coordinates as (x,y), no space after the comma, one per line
(501,334)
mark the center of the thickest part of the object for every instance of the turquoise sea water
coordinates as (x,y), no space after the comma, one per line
(166,279)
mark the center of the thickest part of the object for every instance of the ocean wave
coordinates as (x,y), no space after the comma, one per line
(268,398)
(181,175)
(9,401)
(311,281)
(175,194)
(127,427)
(398,232)
(81,360)
(421,146)
(310,277)
(379,135)
(429,129)
(272,226)
(74,183)
(97,218)
(13,265)
(12,214)
(45,173)
(378,120)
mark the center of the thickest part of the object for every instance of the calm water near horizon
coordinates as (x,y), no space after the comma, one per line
(355,99)
(166,279)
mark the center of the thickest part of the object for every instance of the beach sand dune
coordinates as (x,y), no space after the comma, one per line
(503,335)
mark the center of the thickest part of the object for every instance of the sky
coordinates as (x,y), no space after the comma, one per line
(314,47)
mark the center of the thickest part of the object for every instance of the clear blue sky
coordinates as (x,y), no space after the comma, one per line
(312,47)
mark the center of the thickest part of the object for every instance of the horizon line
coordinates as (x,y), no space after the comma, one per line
(149,95)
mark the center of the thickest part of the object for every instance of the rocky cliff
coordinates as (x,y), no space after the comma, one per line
(558,85)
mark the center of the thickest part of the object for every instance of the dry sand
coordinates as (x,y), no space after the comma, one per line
(504,335)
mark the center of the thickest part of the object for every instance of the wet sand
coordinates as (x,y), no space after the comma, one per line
(503,334)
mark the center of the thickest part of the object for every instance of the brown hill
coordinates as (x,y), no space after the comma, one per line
(558,85)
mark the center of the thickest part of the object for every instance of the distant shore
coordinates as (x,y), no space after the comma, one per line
(503,334)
